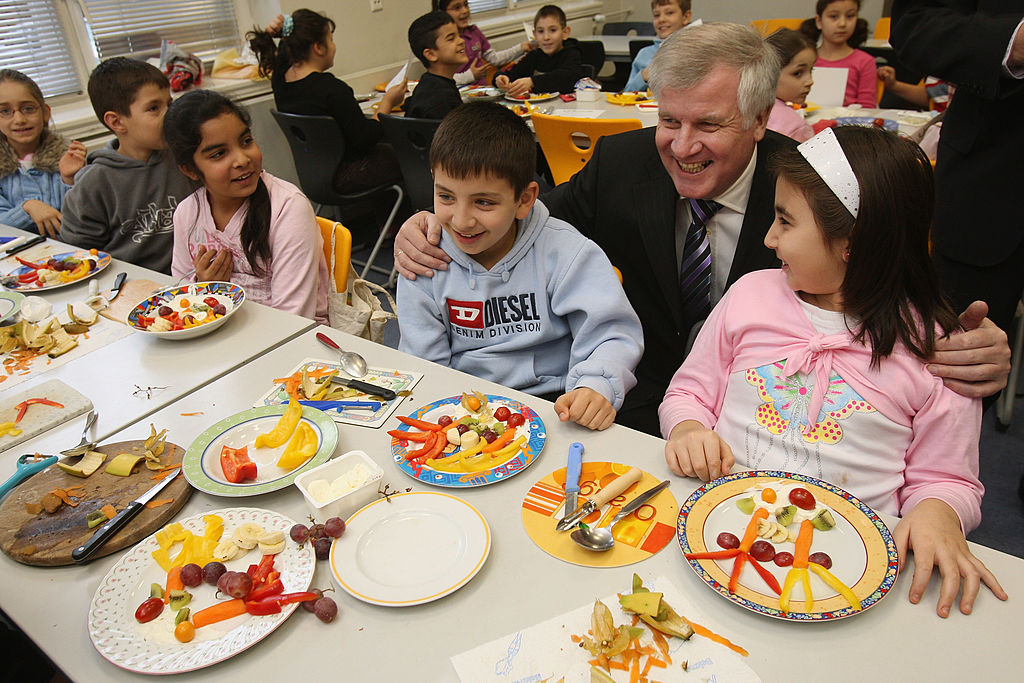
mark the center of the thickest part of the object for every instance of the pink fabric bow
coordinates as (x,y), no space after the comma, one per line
(816,357)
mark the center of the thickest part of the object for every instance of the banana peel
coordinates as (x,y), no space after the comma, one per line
(666,619)
(89,463)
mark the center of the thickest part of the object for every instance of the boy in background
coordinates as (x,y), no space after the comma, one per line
(434,39)
(669,17)
(554,66)
(124,199)
(527,300)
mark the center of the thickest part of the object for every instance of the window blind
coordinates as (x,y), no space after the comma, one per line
(486,5)
(33,41)
(137,27)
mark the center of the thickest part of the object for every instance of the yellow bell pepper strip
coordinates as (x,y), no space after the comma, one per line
(281,432)
(749,536)
(508,451)
(799,569)
(454,462)
(301,448)
(833,581)
(9,428)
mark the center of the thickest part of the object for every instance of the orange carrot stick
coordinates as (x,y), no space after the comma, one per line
(803,544)
(218,612)
(157,503)
(174,583)
(711,635)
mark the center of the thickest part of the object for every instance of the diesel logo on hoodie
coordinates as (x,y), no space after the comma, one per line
(498,310)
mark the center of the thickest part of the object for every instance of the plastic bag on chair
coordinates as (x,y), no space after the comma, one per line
(357,310)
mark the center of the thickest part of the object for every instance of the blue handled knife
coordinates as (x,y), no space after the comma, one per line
(572,478)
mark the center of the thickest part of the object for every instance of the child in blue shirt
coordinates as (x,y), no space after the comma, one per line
(669,17)
(527,300)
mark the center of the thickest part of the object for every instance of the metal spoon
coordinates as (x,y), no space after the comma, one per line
(352,363)
(600,538)
(84,445)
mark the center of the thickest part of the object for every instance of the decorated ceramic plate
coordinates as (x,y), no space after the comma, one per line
(10,303)
(523,109)
(151,648)
(200,301)
(481,94)
(533,98)
(458,476)
(868,121)
(859,545)
(201,463)
(101,259)
(410,548)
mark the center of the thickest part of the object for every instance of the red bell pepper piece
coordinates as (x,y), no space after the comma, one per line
(439,445)
(263,569)
(261,608)
(428,446)
(30,276)
(30,264)
(289,598)
(772,582)
(23,406)
(409,436)
(420,424)
(236,464)
(251,571)
(266,590)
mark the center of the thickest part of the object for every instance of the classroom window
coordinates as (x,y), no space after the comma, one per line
(137,27)
(32,41)
(476,6)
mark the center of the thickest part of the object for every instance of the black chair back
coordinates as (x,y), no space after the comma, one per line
(593,55)
(627,28)
(411,140)
(635,46)
(317,148)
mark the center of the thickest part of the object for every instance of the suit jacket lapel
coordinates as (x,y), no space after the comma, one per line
(751,254)
(654,204)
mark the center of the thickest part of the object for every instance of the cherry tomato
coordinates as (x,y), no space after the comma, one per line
(444,420)
(762,551)
(821,558)
(502,413)
(210,301)
(802,498)
(516,419)
(727,540)
(784,559)
(149,610)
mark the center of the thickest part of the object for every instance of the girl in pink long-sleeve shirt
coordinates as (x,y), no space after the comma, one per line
(244,225)
(841,32)
(819,367)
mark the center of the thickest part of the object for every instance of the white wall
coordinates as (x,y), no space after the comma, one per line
(742,11)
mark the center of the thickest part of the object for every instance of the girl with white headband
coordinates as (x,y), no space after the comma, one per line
(819,367)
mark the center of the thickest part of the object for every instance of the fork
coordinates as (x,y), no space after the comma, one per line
(84,446)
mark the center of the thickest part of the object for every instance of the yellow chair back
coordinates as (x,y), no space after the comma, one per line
(767,27)
(882,27)
(555,135)
(342,249)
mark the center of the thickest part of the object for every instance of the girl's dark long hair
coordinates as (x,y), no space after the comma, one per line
(788,43)
(810,29)
(182,131)
(891,285)
(309,28)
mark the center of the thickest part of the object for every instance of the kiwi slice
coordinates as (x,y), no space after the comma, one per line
(823,521)
(785,515)
(746,505)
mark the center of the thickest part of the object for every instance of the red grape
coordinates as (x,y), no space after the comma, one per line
(502,413)
(192,575)
(316,531)
(299,533)
(462,429)
(235,584)
(516,419)
(220,309)
(334,527)
(164,311)
(212,571)
(727,540)
(325,609)
(488,435)
(210,301)
(322,546)
(762,551)
(149,610)
(821,558)
(802,498)
(783,559)
(444,420)
(308,604)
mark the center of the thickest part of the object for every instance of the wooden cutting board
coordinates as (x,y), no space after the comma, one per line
(47,539)
(39,417)
(131,294)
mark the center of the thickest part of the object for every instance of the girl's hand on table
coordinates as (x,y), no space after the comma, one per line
(932,530)
(974,363)
(46,218)
(72,162)
(213,265)
(693,450)
(586,408)
(416,250)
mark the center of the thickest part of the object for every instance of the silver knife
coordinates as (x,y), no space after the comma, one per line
(605,495)
(365,387)
(118,284)
(84,552)
(572,478)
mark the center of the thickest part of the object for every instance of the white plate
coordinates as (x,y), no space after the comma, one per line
(151,648)
(410,548)
(231,295)
(10,303)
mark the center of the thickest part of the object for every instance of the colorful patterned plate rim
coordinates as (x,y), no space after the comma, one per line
(451,405)
(147,306)
(102,261)
(863,551)
(197,464)
(10,303)
(445,538)
(145,648)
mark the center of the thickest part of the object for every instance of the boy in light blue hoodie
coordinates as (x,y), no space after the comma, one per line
(527,300)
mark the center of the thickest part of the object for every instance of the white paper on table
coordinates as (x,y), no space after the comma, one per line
(528,27)
(579,113)
(829,87)
(545,651)
(398,78)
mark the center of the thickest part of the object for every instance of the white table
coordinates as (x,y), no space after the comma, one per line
(519,585)
(908,120)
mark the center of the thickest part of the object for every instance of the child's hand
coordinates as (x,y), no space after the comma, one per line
(932,531)
(275,26)
(693,450)
(392,98)
(213,265)
(586,408)
(520,87)
(479,68)
(527,46)
(72,162)
(502,82)
(46,218)
(887,75)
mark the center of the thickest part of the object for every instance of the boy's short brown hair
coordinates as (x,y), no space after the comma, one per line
(485,139)
(114,84)
(684,5)
(423,32)
(550,11)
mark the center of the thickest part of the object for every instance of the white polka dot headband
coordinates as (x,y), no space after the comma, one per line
(825,155)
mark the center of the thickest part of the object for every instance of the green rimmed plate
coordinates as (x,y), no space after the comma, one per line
(10,303)
(201,463)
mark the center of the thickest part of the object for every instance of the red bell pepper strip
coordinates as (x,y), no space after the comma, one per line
(409,436)
(263,569)
(288,598)
(748,540)
(737,567)
(261,608)
(23,406)
(30,264)
(772,582)
(714,555)
(420,424)
(266,590)
(236,464)
(30,276)
(251,571)
(427,447)
(439,445)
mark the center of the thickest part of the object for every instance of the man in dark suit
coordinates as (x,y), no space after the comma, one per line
(715,85)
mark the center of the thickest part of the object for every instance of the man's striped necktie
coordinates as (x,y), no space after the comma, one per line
(695,272)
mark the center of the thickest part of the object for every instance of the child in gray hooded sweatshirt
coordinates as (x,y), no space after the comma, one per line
(527,300)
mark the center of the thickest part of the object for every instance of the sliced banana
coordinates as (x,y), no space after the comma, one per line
(272,537)
(225,551)
(247,535)
(780,536)
(271,548)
